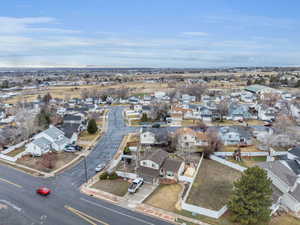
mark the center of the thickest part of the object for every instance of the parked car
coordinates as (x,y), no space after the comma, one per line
(99,167)
(156,125)
(69,150)
(135,185)
(43,191)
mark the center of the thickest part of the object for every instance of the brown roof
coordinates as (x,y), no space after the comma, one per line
(141,170)
(172,165)
(157,156)
(185,130)
(201,136)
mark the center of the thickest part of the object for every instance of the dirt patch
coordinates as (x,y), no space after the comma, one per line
(213,185)
(117,187)
(16,152)
(165,197)
(35,162)
(285,219)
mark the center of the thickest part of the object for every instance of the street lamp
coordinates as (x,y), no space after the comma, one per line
(85,168)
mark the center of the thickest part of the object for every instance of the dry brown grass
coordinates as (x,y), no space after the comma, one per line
(213,185)
(34,162)
(16,152)
(165,197)
(117,187)
(285,220)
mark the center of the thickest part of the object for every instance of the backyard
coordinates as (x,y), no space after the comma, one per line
(165,197)
(213,185)
(16,152)
(117,187)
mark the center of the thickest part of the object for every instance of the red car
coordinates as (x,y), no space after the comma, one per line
(43,191)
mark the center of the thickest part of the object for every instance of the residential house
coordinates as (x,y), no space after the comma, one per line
(295,110)
(70,118)
(235,135)
(55,136)
(238,112)
(153,136)
(286,181)
(188,138)
(266,113)
(247,97)
(157,164)
(39,146)
(71,131)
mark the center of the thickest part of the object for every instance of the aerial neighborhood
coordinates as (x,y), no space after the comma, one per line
(180,146)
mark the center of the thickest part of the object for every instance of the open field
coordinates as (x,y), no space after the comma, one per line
(66,92)
(213,185)
(165,197)
(117,187)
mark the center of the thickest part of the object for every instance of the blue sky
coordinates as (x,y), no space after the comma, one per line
(152,33)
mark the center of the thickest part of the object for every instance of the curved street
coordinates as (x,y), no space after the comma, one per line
(17,190)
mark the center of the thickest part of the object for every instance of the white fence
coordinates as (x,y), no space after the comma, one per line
(227,163)
(11,148)
(126,175)
(185,179)
(8,158)
(204,211)
(274,153)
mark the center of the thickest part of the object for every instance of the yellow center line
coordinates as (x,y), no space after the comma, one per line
(85,216)
(9,182)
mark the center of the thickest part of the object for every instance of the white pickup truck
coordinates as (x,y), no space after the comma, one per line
(135,185)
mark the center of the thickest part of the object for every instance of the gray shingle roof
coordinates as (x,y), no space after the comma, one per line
(296,193)
(42,142)
(157,156)
(172,165)
(295,151)
(53,132)
(281,171)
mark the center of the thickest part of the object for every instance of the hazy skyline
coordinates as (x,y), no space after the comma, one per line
(149,33)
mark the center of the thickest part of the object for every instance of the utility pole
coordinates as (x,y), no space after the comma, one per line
(85,168)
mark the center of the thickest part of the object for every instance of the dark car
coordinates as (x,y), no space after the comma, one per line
(43,191)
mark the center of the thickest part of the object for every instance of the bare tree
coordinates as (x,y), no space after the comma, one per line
(222,109)
(214,143)
(48,160)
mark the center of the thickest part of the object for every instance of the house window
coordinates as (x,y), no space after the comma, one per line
(153,165)
(170,174)
(144,163)
(185,137)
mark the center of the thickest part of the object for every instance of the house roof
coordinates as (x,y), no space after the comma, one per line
(185,130)
(257,88)
(69,129)
(294,165)
(280,170)
(296,193)
(161,134)
(53,132)
(172,165)
(157,156)
(295,151)
(141,170)
(42,142)
(72,117)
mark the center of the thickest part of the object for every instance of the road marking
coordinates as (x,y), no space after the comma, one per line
(9,182)
(115,211)
(85,216)
(11,205)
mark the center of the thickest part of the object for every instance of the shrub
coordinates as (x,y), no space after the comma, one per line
(108,176)
(92,126)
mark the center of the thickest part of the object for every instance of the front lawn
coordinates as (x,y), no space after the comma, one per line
(35,162)
(213,185)
(117,187)
(85,136)
(165,197)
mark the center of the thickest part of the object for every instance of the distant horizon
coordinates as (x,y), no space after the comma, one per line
(155,34)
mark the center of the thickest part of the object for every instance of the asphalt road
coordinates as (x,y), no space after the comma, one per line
(19,204)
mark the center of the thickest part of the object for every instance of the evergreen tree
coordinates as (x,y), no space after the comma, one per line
(43,118)
(252,198)
(144,118)
(92,126)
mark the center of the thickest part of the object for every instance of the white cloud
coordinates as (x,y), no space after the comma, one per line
(194,34)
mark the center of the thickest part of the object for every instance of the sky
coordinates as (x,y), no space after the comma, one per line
(149,33)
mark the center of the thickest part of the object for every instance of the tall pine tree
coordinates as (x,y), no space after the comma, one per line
(92,126)
(252,198)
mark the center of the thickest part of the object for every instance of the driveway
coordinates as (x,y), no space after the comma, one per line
(132,200)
